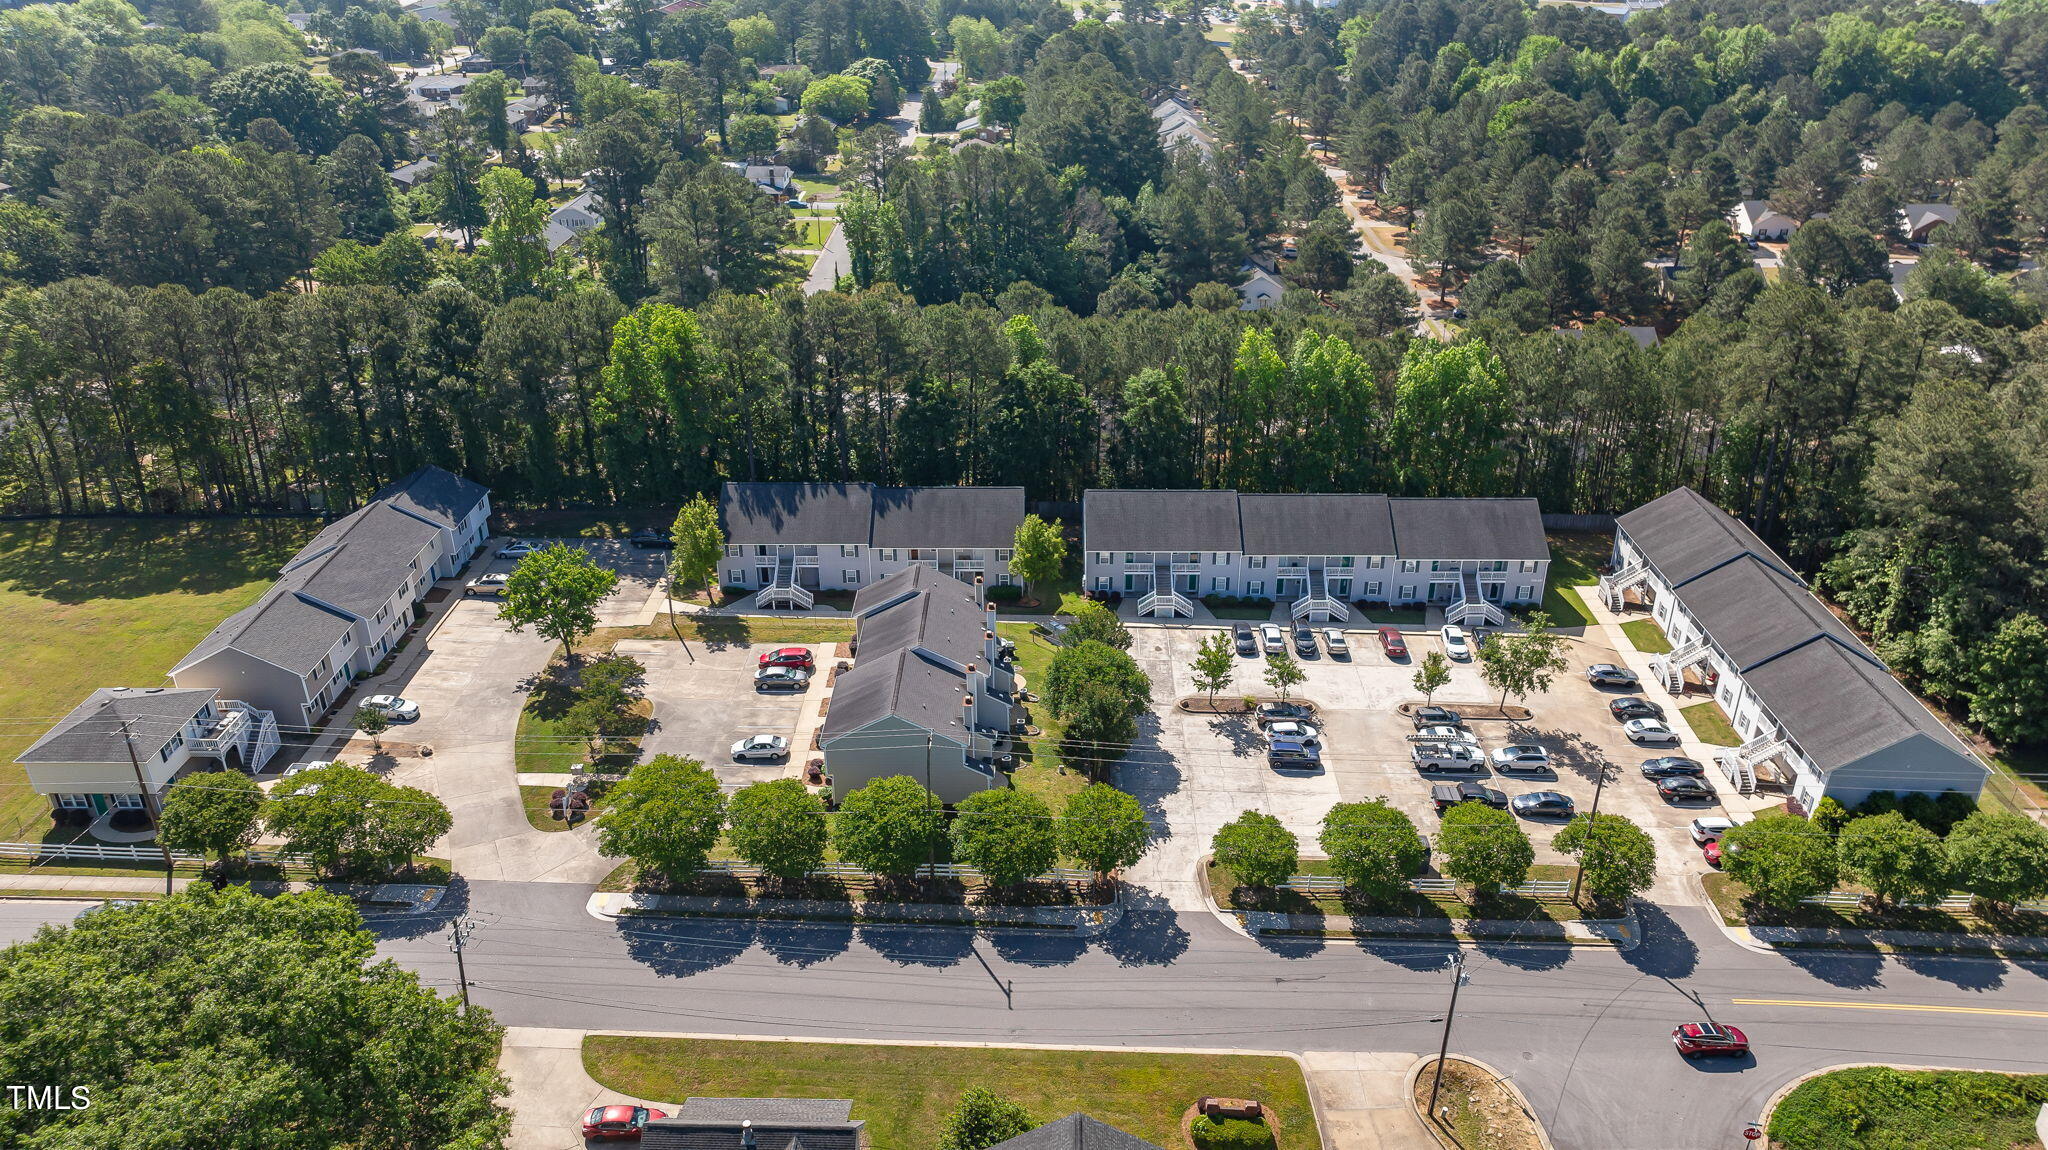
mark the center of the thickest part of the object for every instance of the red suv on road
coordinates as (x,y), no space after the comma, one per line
(799,657)
(1694,1039)
(617,1123)
(1392,643)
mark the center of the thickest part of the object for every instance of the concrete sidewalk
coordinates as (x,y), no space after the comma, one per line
(1362,1101)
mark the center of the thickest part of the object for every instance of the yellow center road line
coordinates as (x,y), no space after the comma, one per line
(1888,1006)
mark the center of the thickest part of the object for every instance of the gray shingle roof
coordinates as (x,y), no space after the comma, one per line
(894,586)
(947,516)
(91,733)
(1324,524)
(1468,529)
(695,1134)
(950,623)
(1831,693)
(356,562)
(1155,520)
(436,494)
(901,683)
(282,627)
(797,512)
(1076,1131)
(1682,534)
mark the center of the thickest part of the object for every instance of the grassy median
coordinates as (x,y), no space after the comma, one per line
(1879,1108)
(904,1093)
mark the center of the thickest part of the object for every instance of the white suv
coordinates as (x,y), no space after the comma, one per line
(1521,758)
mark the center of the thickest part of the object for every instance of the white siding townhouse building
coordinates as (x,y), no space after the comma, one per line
(344,600)
(1472,557)
(789,540)
(1819,713)
(83,763)
(926,696)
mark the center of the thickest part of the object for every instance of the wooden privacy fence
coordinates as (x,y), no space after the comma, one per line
(1331,884)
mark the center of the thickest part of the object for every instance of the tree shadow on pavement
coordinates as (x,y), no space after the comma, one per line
(1291,945)
(804,943)
(1843,968)
(1525,956)
(937,946)
(1961,971)
(679,948)
(1417,954)
(1037,947)
(1150,933)
(1666,950)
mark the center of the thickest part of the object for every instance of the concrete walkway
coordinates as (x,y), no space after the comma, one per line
(833,263)
(86,883)
(1361,1100)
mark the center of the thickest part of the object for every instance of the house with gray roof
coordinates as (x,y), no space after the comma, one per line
(789,540)
(929,694)
(1471,557)
(122,746)
(757,1124)
(1076,1131)
(342,603)
(1819,713)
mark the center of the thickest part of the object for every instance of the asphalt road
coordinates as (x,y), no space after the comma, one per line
(1583,1033)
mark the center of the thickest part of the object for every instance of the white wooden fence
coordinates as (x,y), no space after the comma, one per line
(942,870)
(95,852)
(1331,884)
(1954,902)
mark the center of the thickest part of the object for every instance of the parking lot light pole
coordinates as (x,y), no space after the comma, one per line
(1443,1051)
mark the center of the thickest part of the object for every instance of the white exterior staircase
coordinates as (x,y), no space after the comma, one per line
(1670,668)
(1614,588)
(1470,608)
(1162,599)
(784,592)
(1741,763)
(1318,605)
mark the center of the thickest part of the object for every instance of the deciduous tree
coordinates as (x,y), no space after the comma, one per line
(213,812)
(889,826)
(1103,829)
(1257,850)
(556,590)
(665,816)
(1780,858)
(778,826)
(1484,848)
(1039,553)
(1616,858)
(1005,834)
(1375,847)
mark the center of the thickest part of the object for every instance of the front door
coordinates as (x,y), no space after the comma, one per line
(1340,588)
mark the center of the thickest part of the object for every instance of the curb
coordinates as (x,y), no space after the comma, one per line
(599,906)
(1522,1100)
(1778,1095)
(1740,936)
(1232,921)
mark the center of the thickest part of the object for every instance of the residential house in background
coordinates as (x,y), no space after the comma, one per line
(1260,290)
(1180,126)
(1076,1131)
(1473,558)
(1918,221)
(412,175)
(928,695)
(757,1124)
(1758,220)
(342,603)
(789,540)
(1818,712)
(84,762)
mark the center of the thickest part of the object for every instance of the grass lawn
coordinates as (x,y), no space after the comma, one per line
(724,631)
(1879,1108)
(1646,636)
(544,742)
(812,233)
(1256,612)
(1575,559)
(903,1093)
(813,185)
(1224,889)
(88,603)
(1730,898)
(535,800)
(1711,724)
(1063,597)
(1041,769)
(1398,616)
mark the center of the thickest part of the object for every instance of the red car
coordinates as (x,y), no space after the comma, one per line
(1696,1039)
(617,1123)
(1711,851)
(1392,643)
(799,657)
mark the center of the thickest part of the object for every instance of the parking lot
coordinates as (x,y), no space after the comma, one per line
(704,701)
(638,596)
(1201,771)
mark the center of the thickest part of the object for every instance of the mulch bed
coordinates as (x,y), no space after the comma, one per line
(1511,714)
(1201,705)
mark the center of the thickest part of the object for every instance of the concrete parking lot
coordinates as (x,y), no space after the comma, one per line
(638,597)
(1197,772)
(704,701)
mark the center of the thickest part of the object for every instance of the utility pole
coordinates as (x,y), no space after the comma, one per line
(1592,821)
(1443,1051)
(462,931)
(149,804)
(668,589)
(931,842)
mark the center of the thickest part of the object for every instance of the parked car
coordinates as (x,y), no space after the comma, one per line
(1292,729)
(1392,643)
(1333,641)
(797,205)
(1275,709)
(1521,757)
(491,584)
(518,549)
(1634,707)
(1542,804)
(1435,716)
(1671,766)
(1305,641)
(1247,641)
(1650,731)
(1448,795)
(1609,675)
(781,679)
(1456,645)
(1711,851)
(1444,734)
(650,539)
(1293,753)
(618,1123)
(1685,790)
(1430,758)
(1273,638)
(1706,830)
(760,747)
(1694,1039)
(392,707)
(788,657)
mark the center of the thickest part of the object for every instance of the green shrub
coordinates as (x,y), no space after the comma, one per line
(1005,593)
(1879,1108)
(1231,1134)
